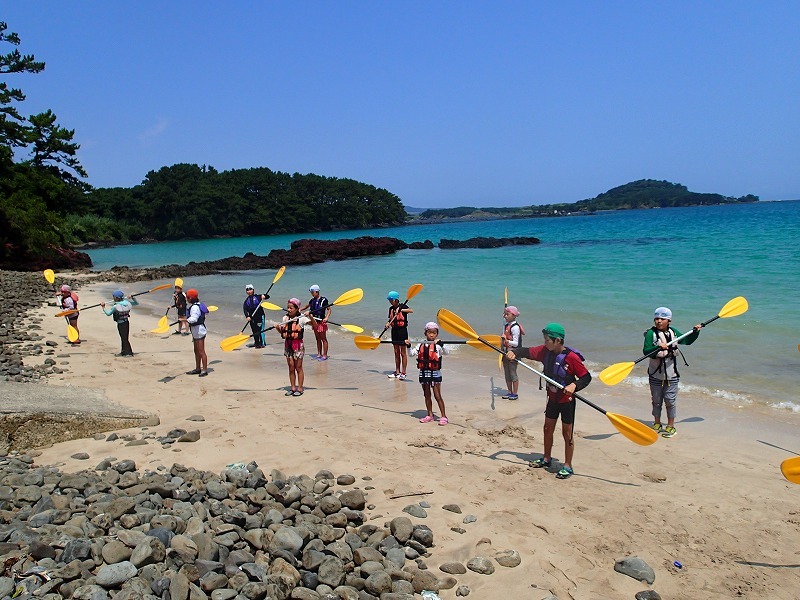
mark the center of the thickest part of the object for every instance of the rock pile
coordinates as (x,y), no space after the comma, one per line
(189,534)
(20,292)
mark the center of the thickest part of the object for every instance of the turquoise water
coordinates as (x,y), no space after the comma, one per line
(601,276)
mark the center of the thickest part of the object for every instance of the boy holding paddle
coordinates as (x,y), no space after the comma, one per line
(398,321)
(662,372)
(565,366)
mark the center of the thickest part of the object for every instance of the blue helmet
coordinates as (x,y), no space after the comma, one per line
(118,295)
(393,296)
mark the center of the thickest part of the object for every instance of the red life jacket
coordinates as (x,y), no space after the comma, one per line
(292,331)
(429,358)
(400,320)
(74,297)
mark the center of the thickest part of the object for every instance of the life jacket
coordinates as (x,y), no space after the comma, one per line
(203,312)
(122,311)
(400,318)
(292,331)
(318,306)
(660,362)
(508,335)
(251,305)
(74,297)
(180,300)
(429,358)
(555,367)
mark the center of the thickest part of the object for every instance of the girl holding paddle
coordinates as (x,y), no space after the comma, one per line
(69,301)
(511,340)
(662,372)
(291,330)
(429,361)
(398,321)
(197,326)
(565,366)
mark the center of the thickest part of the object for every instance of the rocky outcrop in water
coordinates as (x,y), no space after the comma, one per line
(488,242)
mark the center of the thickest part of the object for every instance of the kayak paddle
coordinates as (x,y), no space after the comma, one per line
(790,468)
(412,291)
(65,313)
(631,428)
(365,342)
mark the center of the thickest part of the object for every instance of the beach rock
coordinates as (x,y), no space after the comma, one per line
(415,510)
(453,568)
(635,567)
(463,590)
(508,558)
(469,519)
(345,480)
(488,242)
(454,508)
(648,595)
(481,565)
(110,576)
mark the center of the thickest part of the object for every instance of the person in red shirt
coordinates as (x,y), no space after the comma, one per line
(564,365)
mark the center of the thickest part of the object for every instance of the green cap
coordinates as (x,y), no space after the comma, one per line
(554,330)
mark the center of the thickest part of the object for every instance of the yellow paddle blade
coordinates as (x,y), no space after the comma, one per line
(791,469)
(350,297)
(160,329)
(365,342)
(49,275)
(163,323)
(279,274)
(66,313)
(233,342)
(72,333)
(479,345)
(163,286)
(270,306)
(500,361)
(178,282)
(633,429)
(212,308)
(352,328)
(505,298)
(615,373)
(734,308)
(414,290)
(454,324)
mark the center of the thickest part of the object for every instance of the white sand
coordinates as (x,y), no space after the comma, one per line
(712,497)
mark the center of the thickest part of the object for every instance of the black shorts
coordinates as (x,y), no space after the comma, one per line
(181,312)
(565,410)
(399,334)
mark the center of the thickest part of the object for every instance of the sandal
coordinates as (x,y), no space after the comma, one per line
(426,419)
(443,421)
(297,393)
(564,473)
(289,393)
(193,372)
(204,374)
(540,463)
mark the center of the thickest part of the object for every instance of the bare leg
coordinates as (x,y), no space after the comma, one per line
(569,447)
(549,428)
(437,393)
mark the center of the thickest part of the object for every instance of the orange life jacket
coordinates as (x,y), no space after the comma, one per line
(400,318)
(292,331)
(429,358)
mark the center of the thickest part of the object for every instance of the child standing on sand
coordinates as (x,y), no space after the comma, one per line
(121,311)
(429,361)
(291,330)
(398,321)
(511,340)
(197,326)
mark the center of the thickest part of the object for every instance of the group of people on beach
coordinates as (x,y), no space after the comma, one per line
(561,364)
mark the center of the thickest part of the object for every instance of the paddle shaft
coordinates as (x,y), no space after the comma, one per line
(99,303)
(546,378)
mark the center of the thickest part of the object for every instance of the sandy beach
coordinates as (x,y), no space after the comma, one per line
(712,498)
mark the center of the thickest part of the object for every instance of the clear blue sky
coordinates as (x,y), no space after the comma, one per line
(442,103)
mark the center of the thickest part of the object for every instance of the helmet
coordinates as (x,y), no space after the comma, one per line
(662,312)
(192,294)
(431,325)
(314,288)
(117,294)
(393,295)
(512,310)
(554,330)
(294,301)
(249,286)
(65,289)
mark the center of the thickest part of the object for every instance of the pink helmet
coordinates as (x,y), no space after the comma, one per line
(512,310)
(431,325)
(65,289)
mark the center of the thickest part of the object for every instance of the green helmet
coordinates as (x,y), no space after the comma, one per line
(554,330)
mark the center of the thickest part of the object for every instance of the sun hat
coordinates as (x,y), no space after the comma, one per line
(66,288)
(393,295)
(294,301)
(430,325)
(662,312)
(314,288)
(192,293)
(118,294)
(554,330)
(249,286)
(512,310)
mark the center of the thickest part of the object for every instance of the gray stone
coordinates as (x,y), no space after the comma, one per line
(508,558)
(80,456)
(635,567)
(331,571)
(115,552)
(378,583)
(345,480)
(470,519)
(402,528)
(453,568)
(463,590)
(190,436)
(648,595)
(147,552)
(287,539)
(415,510)
(455,508)
(481,565)
(354,500)
(111,576)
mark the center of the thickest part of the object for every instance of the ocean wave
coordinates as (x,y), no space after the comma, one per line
(792,406)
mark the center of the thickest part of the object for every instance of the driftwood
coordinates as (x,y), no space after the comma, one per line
(405,494)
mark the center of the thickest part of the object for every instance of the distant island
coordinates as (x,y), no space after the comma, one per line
(645,193)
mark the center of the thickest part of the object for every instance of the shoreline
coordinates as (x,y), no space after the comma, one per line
(704,498)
